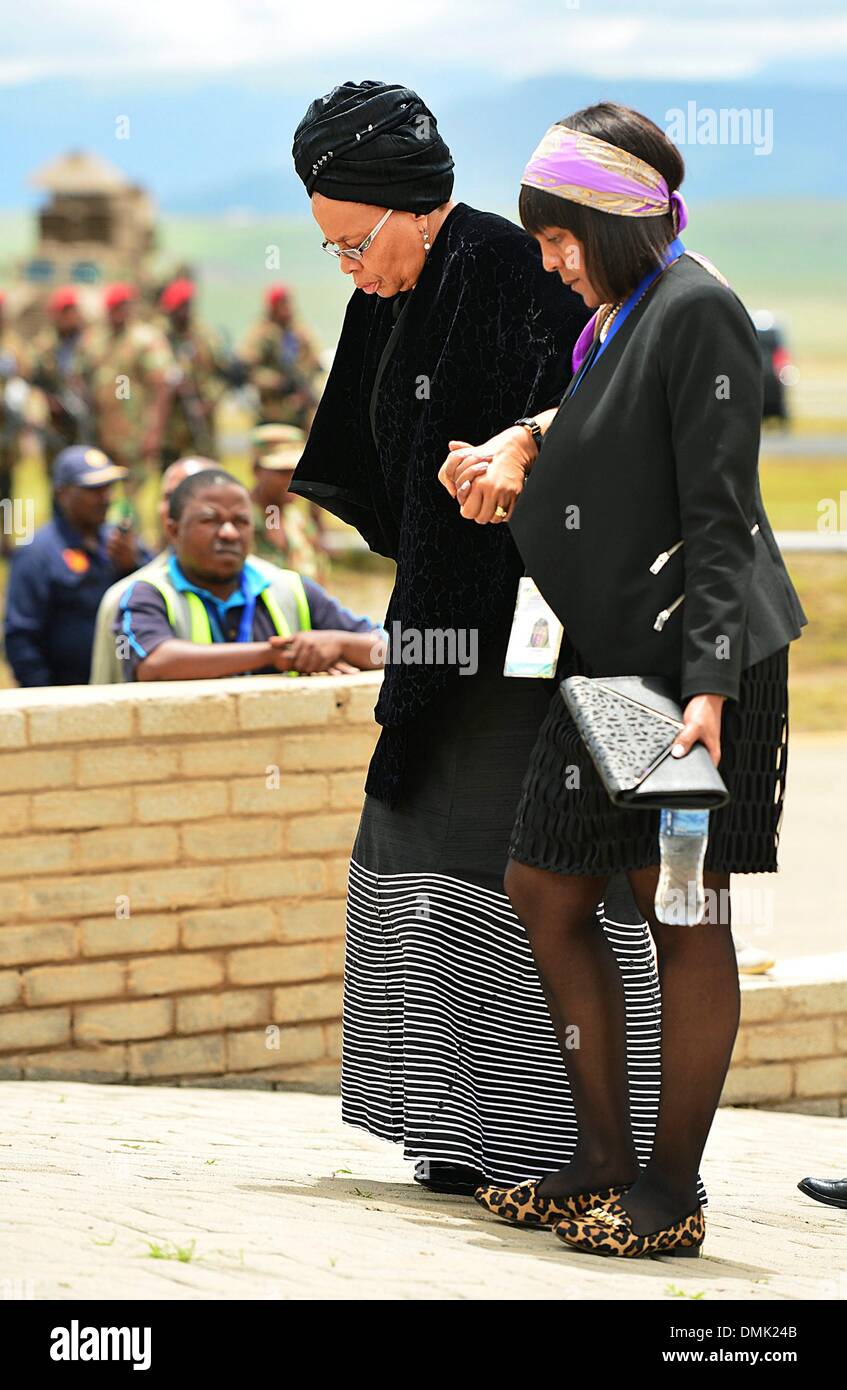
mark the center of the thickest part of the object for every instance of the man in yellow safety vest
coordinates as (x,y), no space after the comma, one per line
(212,611)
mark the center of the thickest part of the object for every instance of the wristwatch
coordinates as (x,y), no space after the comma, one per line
(533,427)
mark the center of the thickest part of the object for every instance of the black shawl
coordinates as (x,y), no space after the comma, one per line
(484,337)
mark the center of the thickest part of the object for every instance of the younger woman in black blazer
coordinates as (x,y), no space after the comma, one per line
(646,490)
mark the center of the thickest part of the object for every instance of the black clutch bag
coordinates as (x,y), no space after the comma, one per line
(629,725)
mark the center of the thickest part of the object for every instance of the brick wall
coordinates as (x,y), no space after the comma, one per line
(791,1052)
(173,865)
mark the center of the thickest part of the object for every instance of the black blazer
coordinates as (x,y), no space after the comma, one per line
(659,444)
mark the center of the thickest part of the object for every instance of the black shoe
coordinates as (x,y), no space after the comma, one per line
(448,1177)
(831,1191)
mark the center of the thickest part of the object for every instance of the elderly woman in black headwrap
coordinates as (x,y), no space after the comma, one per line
(453,327)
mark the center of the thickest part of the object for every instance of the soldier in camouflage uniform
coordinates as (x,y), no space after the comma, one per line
(13,369)
(131,387)
(284,530)
(62,368)
(282,363)
(198,378)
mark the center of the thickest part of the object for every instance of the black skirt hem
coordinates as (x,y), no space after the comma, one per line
(606,870)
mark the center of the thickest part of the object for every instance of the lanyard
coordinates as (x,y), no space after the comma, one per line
(245,622)
(245,626)
(671,253)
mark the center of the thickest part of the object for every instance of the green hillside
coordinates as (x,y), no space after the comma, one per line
(786,256)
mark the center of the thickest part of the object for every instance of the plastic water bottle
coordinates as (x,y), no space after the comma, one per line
(680,897)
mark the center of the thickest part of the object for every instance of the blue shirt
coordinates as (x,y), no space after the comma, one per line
(55,587)
(224,613)
(142,616)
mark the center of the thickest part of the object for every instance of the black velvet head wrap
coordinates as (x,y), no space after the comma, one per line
(374,142)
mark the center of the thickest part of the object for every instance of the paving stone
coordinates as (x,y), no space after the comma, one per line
(282,1201)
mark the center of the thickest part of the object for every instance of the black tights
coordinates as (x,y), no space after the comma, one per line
(581,980)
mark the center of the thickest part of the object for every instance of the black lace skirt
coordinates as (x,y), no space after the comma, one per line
(568,824)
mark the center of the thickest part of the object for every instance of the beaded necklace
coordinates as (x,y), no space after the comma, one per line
(613,309)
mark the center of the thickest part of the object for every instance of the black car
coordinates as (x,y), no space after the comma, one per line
(777,368)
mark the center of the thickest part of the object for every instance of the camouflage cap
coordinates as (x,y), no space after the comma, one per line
(269,438)
(284,459)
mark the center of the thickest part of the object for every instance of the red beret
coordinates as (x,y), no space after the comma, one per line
(174,295)
(64,298)
(276,294)
(119,294)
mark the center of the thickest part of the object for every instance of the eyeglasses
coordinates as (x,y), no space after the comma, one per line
(355,253)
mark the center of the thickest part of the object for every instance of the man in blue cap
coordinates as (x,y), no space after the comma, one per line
(57,581)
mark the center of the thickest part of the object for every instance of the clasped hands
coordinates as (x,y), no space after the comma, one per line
(486,476)
(310,653)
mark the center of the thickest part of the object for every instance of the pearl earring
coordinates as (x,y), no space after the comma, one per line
(427,243)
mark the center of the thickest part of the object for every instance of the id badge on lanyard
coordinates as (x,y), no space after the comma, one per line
(536,636)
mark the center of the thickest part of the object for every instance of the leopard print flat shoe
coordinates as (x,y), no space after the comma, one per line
(523,1206)
(607,1230)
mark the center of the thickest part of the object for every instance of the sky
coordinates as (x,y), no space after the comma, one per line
(513,39)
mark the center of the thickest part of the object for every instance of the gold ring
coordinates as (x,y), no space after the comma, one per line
(500,512)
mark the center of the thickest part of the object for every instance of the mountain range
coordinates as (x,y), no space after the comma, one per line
(213,146)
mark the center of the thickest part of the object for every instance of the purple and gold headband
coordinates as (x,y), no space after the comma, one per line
(584,169)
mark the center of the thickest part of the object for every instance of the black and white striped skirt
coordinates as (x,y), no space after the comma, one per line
(448,1045)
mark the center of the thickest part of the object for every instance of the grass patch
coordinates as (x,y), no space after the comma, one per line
(818,661)
(794,489)
(183,1253)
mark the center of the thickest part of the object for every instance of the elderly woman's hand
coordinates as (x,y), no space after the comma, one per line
(490,475)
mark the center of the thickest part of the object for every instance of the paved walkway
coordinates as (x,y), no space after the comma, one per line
(273,1198)
(802,910)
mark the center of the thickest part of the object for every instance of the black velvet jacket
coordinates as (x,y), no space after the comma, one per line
(484,337)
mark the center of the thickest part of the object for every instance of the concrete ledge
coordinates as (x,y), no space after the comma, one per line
(791,1052)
